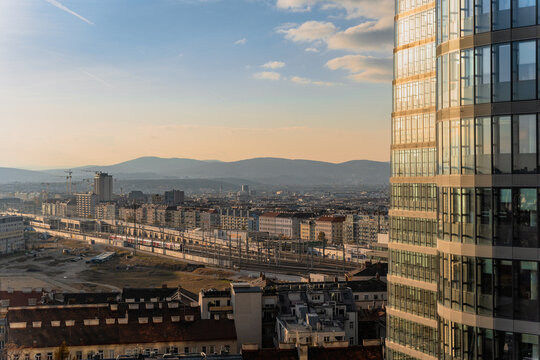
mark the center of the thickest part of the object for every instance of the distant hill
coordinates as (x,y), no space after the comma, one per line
(275,171)
(11,175)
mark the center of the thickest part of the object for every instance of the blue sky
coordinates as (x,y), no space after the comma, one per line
(102,81)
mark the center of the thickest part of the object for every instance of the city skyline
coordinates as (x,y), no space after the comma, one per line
(194,79)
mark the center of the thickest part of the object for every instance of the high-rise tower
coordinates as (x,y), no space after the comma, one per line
(488,179)
(103,186)
(486,242)
(412,281)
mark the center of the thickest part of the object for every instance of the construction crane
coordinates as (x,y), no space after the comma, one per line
(69,173)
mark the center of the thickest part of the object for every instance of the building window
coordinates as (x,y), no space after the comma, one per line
(467,77)
(49,356)
(524,144)
(483,147)
(524,70)
(501,72)
(523,13)
(527,303)
(37,356)
(482,74)
(482,18)
(503,217)
(186,350)
(501,14)
(78,355)
(502,145)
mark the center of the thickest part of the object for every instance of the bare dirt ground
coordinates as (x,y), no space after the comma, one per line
(61,264)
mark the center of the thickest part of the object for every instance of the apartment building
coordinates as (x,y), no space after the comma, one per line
(86,205)
(332,228)
(11,234)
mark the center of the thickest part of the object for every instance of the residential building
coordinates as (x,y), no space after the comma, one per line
(173,197)
(103,186)
(412,331)
(236,219)
(331,227)
(210,219)
(307,230)
(11,234)
(86,205)
(106,211)
(279,225)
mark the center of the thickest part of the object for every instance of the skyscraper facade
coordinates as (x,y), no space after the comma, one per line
(488,179)
(412,280)
(486,241)
(103,186)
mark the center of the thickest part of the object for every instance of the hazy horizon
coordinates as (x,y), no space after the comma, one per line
(181,158)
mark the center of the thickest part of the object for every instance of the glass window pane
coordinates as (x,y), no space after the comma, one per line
(503,283)
(467,146)
(482,75)
(523,13)
(527,306)
(445,78)
(524,144)
(527,227)
(524,70)
(501,72)
(503,217)
(528,347)
(484,214)
(501,14)
(467,77)
(467,215)
(483,145)
(454,78)
(482,15)
(502,145)
(484,283)
(467,19)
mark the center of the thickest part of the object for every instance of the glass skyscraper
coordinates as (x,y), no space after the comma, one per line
(485,244)
(412,281)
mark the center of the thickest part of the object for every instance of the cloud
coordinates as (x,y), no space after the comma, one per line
(310,31)
(312,49)
(363,68)
(274,65)
(305,81)
(374,36)
(267,75)
(242,41)
(296,5)
(370,9)
(62,7)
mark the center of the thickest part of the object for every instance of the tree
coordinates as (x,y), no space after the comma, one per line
(62,353)
(322,238)
(13,351)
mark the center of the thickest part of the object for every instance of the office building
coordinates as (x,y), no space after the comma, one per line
(103,186)
(486,303)
(11,234)
(412,279)
(487,179)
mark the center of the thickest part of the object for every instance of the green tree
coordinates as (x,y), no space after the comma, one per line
(62,353)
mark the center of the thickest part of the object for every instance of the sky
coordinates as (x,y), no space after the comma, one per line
(104,81)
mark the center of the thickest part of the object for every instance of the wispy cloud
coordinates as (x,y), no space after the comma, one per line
(69,11)
(242,41)
(273,65)
(267,75)
(364,68)
(306,81)
(312,49)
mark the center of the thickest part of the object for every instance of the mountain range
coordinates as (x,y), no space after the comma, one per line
(276,171)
